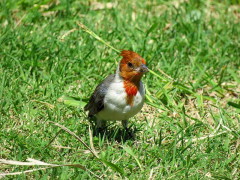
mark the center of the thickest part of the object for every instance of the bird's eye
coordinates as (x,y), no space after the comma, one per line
(130,64)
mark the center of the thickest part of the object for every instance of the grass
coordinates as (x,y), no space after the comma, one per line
(189,126)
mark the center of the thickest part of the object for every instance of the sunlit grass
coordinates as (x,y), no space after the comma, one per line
(49,66)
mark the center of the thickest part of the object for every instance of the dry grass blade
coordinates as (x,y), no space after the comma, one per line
(34,162)
(23,172)
(67,33)
(206,137)
(64,147)
(151,175)
(31,162)
(44,103)
(91,140)
(169,77)
(197,139)
(85,28)
(20,21)
(99,6)
(105,162)
(74,135)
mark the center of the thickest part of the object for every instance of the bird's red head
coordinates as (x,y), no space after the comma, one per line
(132,66)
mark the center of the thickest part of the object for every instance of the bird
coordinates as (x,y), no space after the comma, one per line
(119,96)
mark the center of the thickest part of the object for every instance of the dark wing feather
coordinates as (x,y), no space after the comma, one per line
(96,102)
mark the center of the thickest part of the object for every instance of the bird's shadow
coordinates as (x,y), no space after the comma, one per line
(115,133)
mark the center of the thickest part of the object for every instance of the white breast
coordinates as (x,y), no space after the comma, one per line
(115,105)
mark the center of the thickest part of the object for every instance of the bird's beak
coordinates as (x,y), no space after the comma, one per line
(143,68)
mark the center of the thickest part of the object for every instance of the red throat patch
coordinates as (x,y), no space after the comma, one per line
(131,89)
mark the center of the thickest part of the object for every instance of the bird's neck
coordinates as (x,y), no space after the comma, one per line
(131,88)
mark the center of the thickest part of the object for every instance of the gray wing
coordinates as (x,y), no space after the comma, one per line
(96,102)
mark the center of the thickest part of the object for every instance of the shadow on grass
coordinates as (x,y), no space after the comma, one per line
(115,132)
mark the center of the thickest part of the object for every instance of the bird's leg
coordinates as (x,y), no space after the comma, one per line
(128,130)
(125,124)
(101,124)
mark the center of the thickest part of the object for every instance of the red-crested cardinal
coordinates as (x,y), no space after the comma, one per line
(121,95)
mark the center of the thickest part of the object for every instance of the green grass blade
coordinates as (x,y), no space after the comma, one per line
(71,101)
(131,153)
(112,166)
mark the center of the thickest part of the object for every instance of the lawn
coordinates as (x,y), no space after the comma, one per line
(189,127)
